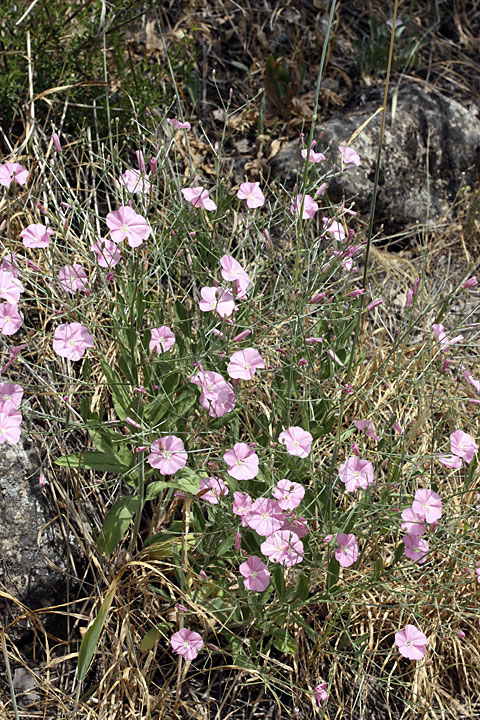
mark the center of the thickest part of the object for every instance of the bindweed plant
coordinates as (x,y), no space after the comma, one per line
(285,495)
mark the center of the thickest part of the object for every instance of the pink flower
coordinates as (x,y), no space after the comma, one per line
(313,157)
(471,282)
(310,207)
(265,516)
(10,394)
(10,420)
(13,172)
(367,427)
(356,473)
(243,364)
(242,462)
(107,252)
(442,339)
(167,455)
(256,574)
(72,278)
(335,228)
(179,125)
(134,181)
(162,339)
(56,142)
(428,505)
(297,525)
(349,155)
(215,299)
(241,336)
(375,303)
(451,461)
(413,524)
(71,340)
(320,693)
(10,287)
(469,378)
(14,352)
(215,487)
(11,319)
(463,445)
(284,547)
(411,642)
(297,441)
(199,198)
(217,395)
(289,494)
(36,236)
(416,548)
(233,272)
(242,505)
(251,192)
(477,572)
(186,643)
(321,189)
(126,224)
(10,264)
(347,552)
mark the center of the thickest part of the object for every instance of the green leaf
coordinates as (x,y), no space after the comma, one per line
(284,642)
(155,488)
(279,581)
(120,395)
(332,574)
(149,640)
(302,587)
(185,400)
(91,637)
(91,460)
(185,479)
(116,523)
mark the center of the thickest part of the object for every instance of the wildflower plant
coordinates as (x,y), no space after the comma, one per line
(201,386)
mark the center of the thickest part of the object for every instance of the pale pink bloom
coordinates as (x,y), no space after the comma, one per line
(162,339)
(316,298)
(451,461)
(167,455)
(411,642)
(427,504)
(471,282)
(10,394)
(215,487)
(56,142)
(36,236)
(356,473)
(313,340)
(107,252)
(284,547)
(238,540)
(256,574)
(349,155)
(242,462)
(335,228)
(71,340)
(413,524)
(10,264)
(461,634)
(244,363)
(334,356)
(72,278)
(320,693)
(242,505)
(265,516)
(321,190)
(313,157)
(367,427)
(217,395)
(297,441)
(375,303)
(10,287)
(416,548)
(241,336)
(297,525)
(42,480)
(463,445)
(134,181)
(10,420)
(126,224)
(310,207)
(442,339)
(251,192)
(13,172)
(469,378)
(179,125)
(289,494)
(347,551)
(477,572)
(217,300)
(356,293)
(11,319)
(199,198)
(14,352)
(186,643)
(133,423)
(233,272)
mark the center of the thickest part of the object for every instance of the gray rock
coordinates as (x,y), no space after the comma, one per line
(24,571)
(432,148)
